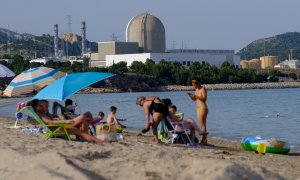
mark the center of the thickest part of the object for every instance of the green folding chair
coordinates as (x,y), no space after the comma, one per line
(56,128)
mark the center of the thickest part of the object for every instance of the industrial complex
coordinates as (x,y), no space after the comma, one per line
(145,39)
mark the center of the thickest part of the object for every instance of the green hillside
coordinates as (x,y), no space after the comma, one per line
(279,45)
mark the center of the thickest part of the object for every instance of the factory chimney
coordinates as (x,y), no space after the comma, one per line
(83,36)
(56,40)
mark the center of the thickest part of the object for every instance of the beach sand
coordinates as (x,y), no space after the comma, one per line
(25,155)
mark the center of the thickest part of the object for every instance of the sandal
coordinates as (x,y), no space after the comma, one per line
(147,128)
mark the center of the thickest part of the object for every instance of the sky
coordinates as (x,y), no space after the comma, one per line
(193,24)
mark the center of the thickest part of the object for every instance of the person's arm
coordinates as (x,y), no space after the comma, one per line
(115,120)
(147,113)
(192,96)
(49,121)
(121,119)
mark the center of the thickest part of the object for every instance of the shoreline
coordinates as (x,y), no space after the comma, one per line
(270,85)
(212,87)
(135,157)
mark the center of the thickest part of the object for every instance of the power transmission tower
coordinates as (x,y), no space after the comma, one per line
(114,37)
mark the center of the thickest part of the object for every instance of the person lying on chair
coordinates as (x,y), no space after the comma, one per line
(187,123)
(78,126)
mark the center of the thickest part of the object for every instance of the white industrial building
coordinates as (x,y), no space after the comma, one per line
(185,59)
(293,64)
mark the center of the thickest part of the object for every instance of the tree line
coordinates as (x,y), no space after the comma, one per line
(165,72)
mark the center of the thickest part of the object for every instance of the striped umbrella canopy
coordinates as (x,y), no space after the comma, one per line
(5,72)
(32,80)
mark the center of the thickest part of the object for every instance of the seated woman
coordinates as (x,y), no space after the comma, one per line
(78,126)
(185,123)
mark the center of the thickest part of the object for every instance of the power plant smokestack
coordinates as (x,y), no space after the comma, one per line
(56,40)
(83,35)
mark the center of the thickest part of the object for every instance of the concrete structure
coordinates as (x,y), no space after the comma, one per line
(113,47)
(148,31)
(293,64)
(56,40)
(44,60)
(244,64)
(268,61)
(254,64)
(83,36)
(95,62)
(185,59)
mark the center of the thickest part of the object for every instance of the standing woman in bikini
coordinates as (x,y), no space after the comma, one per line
(200,97)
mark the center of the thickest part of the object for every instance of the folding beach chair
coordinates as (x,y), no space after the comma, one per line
(47,128)
(168,133)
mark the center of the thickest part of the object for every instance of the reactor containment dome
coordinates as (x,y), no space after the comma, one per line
(148,31)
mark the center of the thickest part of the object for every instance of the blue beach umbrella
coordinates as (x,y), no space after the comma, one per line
(32,80)
(70,84)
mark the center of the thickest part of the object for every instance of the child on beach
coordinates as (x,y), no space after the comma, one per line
(99,118)
(93,123)
(69,106)
(111,118)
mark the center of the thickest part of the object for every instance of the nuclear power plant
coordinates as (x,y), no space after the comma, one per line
(145,39)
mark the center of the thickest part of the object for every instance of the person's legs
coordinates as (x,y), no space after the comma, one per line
(201,116)
(193,124)
(82,121)
(84,135)
(157,117)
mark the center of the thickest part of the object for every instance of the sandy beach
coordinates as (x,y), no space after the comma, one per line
(28,156)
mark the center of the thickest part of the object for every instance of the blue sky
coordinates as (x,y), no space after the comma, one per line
(210,24)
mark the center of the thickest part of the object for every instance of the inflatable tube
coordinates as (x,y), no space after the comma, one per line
(269,145)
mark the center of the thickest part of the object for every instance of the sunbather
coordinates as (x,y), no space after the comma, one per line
(185,123)
(78,126)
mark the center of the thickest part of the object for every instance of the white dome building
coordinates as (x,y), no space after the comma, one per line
(148,31)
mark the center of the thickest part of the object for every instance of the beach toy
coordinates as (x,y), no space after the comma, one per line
(263,146)
(19,116)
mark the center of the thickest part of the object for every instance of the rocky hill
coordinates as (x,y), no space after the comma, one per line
(31,46)
(279,45)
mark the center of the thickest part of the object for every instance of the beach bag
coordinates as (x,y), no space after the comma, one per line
(109,132)
(108,128)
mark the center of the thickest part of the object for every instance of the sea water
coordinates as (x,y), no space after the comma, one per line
(233,114)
